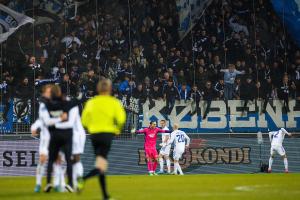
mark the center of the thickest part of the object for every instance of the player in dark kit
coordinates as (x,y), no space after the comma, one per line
(53,112)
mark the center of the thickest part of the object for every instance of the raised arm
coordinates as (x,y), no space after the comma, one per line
(163,131)
(73,113)
(239,72)
(141,131)
(285,132)
(270,136)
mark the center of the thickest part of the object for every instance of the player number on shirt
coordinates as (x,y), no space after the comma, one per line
(180,138)
(275,135)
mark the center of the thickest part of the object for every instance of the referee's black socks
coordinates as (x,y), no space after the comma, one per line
(91,174)
(102,180)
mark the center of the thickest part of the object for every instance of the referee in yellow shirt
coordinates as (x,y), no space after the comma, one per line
(103,116)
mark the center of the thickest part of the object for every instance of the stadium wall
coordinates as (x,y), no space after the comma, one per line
(219,119)
(207,154)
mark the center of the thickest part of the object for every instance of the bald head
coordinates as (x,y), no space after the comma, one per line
(104,86)
(175,126)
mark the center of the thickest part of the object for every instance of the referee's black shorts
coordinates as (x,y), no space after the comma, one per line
(102,143)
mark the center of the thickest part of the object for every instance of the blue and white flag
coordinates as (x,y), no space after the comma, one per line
(189,11)
(289,11)
(10,21)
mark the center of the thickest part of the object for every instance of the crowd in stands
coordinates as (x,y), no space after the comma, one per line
(236,50)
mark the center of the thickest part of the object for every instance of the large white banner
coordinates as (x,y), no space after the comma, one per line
(189,11)
(10,21)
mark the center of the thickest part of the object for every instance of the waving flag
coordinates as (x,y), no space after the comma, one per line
(10,21)
(189,11)
(289,11)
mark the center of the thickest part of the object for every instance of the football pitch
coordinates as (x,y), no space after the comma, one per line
(216,186)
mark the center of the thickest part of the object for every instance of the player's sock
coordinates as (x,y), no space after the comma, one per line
(161,164)
(77,172)
(39,173)
(62,172)
(149,165)
(168,165)
(154,165)
(102,182)
(179,168)
(270,163)
(92,173)
(75,175)
(79,169)
(286,165)
(175,168)
(56,178)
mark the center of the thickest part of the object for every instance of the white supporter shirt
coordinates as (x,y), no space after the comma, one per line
(164,135)
(277,137)
(180,139)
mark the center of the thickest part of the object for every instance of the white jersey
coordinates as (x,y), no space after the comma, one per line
(79,136)
(165,150)
(44,136)
(164,135)
(180,139)
(277,137)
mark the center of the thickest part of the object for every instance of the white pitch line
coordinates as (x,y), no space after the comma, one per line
(249,188)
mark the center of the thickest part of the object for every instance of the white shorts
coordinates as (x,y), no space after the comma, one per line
(78,143)
(165,151)
(177,154)
(279,149)
(44,145)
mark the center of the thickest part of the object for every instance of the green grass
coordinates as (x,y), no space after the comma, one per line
(194,187)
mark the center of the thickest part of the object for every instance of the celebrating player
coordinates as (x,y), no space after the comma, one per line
(78,141)
(53,112)
(39,128)
(276,139)
(181,141)
(164,151)
(150,146)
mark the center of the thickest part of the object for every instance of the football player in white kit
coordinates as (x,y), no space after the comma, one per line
(39,128)
(181,141)
(165,150)
(276,139)
(79,138)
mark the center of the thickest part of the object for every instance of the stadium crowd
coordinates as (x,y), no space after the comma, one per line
(231,53)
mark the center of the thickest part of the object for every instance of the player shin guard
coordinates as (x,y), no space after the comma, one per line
(270,163)
(168,165)
(161,164)
(39,173)
(286,165)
